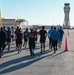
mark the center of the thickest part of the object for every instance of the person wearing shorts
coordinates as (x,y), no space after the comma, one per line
(25,37)
(43,34)
(61,36)
(19,40)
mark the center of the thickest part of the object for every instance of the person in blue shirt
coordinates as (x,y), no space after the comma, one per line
(4,29)
(61,36)
(49,36)
(55,38)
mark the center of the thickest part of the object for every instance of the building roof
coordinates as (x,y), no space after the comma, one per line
(21,20)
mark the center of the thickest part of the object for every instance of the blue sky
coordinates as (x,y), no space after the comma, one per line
(37,11)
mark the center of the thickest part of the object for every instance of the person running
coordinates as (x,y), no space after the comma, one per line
(36,35)
(55,37)
(49,36)
(25,37)
(31,42)
(12,34)
(4,29)
(2,41)
(61,36)
(16,32)
(43,34)
(19,40)
(8,37)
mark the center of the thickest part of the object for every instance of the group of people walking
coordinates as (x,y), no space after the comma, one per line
(8,36)
(55,38)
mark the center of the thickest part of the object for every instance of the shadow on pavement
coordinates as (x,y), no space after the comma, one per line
(18,63)
(56,54)
(9,55)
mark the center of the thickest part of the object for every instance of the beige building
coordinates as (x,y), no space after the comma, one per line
(0,20)
(14,22)
(8,22)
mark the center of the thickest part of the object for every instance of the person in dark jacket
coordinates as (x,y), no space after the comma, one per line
(32,42)
(2,41)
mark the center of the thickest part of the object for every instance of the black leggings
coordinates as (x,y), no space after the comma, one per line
(54,44)
(31,46)
(50,41)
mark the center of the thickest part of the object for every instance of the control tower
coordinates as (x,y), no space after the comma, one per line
(66,24)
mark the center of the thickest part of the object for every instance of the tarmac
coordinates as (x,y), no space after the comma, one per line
(47,63)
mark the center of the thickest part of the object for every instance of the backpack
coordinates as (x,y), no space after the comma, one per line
(31,35)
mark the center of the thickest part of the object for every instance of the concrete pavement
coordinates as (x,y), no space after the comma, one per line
(48,63)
